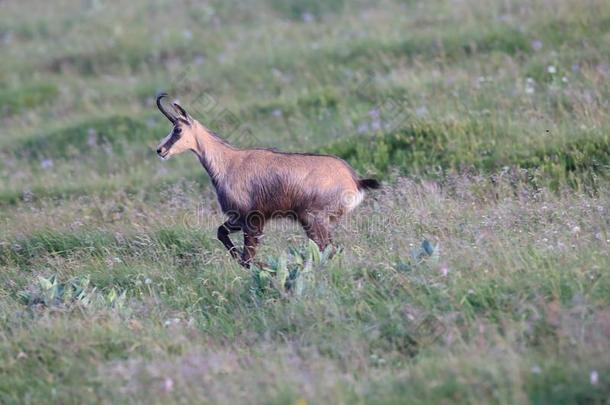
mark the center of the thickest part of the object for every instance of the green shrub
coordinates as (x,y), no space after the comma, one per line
(424,148)
(51,291)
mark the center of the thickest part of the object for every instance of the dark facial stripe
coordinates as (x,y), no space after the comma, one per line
(173,139)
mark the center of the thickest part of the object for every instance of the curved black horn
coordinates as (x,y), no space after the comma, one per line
(169,115)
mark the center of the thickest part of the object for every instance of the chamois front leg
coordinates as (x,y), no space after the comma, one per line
(224,231)
(253,232)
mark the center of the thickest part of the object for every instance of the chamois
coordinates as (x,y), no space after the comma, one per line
(256,185)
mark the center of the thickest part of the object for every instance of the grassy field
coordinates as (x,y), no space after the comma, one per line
(479,273)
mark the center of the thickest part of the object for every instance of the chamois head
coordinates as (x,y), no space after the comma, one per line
(182,135)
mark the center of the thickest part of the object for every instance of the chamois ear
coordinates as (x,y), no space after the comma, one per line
(182,112)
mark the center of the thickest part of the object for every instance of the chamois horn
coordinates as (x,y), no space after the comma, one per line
(169,115)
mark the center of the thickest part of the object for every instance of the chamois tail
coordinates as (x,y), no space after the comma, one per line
(365,184)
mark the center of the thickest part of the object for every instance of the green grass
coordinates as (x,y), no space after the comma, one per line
(27,97)
(487,121)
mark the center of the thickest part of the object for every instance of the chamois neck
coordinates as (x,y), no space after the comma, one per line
(213,152)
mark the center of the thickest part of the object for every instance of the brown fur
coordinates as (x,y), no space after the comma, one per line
(256,185)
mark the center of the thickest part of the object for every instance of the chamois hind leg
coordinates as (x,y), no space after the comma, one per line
(224,231)
(317,228)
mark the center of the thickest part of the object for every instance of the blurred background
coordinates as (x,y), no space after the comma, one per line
(477,274)
(424,87)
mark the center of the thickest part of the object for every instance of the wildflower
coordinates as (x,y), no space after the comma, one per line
(529,85)
(171,321)
(551,69)
(168,384)
(375,113)
(537,44)
(46,164)
(594,377)
(308,18)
